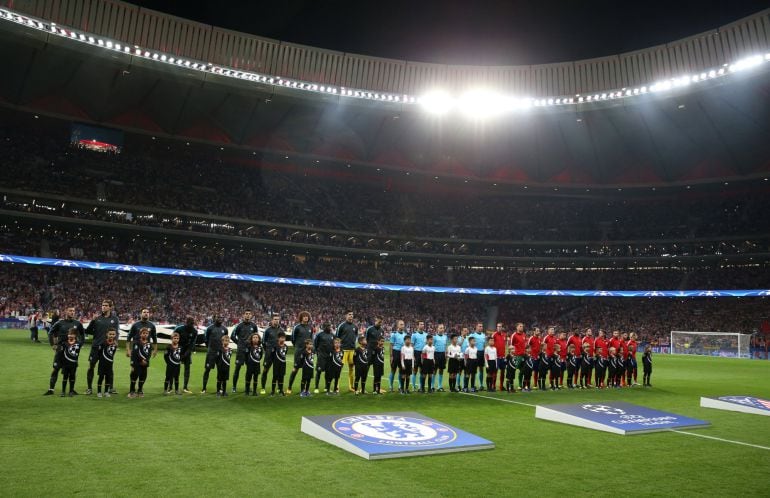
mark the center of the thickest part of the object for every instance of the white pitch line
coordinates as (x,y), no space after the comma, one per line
(499,399)
(723,440)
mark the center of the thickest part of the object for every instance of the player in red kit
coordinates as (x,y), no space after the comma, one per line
(534,351)
(602,349)
(623,357)
(519,345)
(576,341)
(499,339)
(614,341)
(550,341)
(631,360)
(588,339)
(562,342)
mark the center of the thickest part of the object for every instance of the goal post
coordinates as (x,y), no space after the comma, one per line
(726,344)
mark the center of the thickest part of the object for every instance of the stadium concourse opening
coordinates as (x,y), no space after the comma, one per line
(238,239)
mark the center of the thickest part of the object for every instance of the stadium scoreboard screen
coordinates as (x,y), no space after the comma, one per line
(96,138)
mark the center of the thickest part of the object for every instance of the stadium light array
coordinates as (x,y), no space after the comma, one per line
(474,103)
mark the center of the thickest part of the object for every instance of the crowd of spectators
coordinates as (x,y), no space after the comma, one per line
(31,289)
(172,176)
(192,222)
(80,244)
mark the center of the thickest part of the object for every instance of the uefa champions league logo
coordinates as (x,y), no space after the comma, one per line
(604,409)
(126,268)
(751,401)
(394,431)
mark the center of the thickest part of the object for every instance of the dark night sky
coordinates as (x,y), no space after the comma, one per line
(468,31)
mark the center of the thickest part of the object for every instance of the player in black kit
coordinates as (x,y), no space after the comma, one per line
(106,361)
(323,345)
(647,366)
(213,338)
(188,335)
(59,331)
(279,364)
(269,342)
(223,366)
(133,333)
(240,335)
(98,329)
(253,362)
(302,332)
(361,361)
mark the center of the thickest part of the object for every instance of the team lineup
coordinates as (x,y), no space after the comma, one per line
(474,361)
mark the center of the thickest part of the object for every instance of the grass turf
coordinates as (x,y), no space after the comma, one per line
(203,445)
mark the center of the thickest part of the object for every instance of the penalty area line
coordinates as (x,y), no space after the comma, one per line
(720,439)
(499,399)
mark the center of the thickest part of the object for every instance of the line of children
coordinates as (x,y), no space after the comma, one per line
(427,365)
(69,362)
(253,359)
(471,357)
(305,362)
(106,360)
(223,366)
(140,362)
(490,357)
(334,368)
(361,362)
(173,358)
(407,363)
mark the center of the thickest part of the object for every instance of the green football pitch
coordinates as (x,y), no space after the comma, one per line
(203,445)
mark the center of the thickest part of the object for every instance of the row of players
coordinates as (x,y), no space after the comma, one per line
(416,355)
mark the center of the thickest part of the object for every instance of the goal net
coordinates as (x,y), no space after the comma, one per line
(728,344)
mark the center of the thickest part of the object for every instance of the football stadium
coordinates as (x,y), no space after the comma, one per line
(233,263)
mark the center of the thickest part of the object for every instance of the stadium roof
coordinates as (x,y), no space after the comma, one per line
(704,129)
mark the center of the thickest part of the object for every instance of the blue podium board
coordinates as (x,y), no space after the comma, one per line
(391,435)
(744,404)
(617,417)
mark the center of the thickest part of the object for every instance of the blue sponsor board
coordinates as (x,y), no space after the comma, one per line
(153,270)
(744,404)
(391,435)
(617,417)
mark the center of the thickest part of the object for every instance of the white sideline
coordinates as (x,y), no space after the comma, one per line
(723,440)
(499,399)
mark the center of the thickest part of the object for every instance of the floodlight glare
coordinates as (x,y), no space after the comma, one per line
(481,104)
(747,63)
(437,102)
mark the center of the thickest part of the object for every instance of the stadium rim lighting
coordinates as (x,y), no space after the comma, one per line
(436,102)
